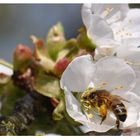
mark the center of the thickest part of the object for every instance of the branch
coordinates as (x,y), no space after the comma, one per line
(26,109)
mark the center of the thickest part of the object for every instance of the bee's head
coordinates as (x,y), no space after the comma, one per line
(88,94)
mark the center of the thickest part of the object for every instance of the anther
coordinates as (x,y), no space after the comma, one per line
(90,116)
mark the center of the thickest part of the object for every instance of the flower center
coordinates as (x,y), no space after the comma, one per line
(106,50)
(95,102)
(122,32)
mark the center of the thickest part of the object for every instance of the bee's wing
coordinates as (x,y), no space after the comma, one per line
(120,98)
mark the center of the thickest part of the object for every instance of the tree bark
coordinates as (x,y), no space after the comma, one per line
(26,109)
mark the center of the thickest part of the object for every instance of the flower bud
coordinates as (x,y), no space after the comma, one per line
(39,49)
(22,57)
(61,65)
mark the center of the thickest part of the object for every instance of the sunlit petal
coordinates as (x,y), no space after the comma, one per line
(99,29)
(129,27)
(86,14)
(110,12)
(113,74)
(78,74)
(73,107)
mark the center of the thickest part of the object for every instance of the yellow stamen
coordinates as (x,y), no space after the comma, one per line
(104,83)
(90,116)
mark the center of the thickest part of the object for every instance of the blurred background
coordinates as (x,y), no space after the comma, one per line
(18,22)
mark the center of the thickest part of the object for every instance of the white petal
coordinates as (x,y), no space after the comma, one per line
(110,12)
(113,74)
(132,21)
(73,107)
(108,124)
(105,48)
(130,51)
(86,14)
(5,70)
(136,89)
(78,74)
(96,127)
(129,27)
(99,29)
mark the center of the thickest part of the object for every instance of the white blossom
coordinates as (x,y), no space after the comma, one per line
(120,37)
(120,79)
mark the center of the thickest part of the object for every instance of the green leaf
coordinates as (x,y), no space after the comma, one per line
(47,85)
(9,95)
(71,49)
(55,40)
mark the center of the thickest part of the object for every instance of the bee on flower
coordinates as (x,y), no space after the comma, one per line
(99,95)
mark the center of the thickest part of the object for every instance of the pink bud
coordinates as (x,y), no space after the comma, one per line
(22,53)
(22,57)
(61,65)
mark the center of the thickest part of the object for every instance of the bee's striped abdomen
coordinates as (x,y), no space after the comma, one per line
(120,111)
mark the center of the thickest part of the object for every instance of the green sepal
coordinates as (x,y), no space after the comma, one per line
(58,112)
(84,41)
(40,56)
(47,85)
(55,40)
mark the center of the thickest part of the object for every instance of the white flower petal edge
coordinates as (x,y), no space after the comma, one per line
(99,29)
(129,27)
(5,70)
(113,74)
(106,47)
(73,107)
(74,110)
(94,127)
(78,74)
(136,89)
(86,14)
(109,12)
(132,55)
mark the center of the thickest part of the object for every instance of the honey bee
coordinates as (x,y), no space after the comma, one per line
(103,101)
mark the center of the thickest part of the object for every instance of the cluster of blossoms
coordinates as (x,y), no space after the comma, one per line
(113,68)
(115,30)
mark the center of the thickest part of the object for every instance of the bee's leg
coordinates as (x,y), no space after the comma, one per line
(103,112)
(117,124)
(103,118)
